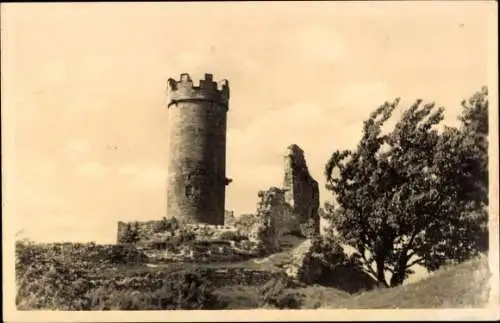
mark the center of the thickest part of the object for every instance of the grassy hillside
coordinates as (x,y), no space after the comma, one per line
(462,286)
(88,276)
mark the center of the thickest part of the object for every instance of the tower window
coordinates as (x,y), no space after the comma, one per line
(188,190)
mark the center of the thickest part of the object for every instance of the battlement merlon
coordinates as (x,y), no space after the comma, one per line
(207,90)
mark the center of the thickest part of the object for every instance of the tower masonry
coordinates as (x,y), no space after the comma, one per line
(197,156)
(302,191)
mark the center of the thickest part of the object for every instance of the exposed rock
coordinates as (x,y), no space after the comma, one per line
(302,191)
(305,266)
(348,278)
(309,266)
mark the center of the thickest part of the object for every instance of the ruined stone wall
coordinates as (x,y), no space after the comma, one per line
(241,276)
(228,217)
(146,229)
(269,225)
(221,277)
(197,156)
(302,191)
(209,253)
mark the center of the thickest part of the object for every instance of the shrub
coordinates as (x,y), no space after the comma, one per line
(245,222)
(330,250)
(167,224)
(274,293)
(183,290)
(69,276)
(309,229)
(232,236)
(186,290)
(131,234)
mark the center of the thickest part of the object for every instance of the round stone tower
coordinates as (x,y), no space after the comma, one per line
(197,158)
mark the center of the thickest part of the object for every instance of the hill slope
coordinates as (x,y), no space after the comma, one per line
(465,285)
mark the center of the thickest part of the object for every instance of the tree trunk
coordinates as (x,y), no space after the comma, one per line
(399,273)
(380,271)
(397,278)
(381,251)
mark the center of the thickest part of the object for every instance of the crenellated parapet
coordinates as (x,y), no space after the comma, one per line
(207,90)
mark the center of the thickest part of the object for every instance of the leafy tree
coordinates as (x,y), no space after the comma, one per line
(405,197)
(308,229)
(244,222)
(330,249)
(474,145)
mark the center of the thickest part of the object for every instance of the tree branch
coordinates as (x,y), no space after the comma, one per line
(417,261)
(368,265)
(411,254)
(408,246)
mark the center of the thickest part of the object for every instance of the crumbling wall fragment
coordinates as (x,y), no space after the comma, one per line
(270,212)
(302,191)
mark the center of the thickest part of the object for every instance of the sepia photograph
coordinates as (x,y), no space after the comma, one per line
(246,161)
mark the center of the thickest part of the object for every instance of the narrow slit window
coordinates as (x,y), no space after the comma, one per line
(188,190)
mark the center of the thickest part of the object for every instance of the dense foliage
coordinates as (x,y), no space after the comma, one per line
(245,221)
(167,224)
(329,249)
(276,293)
(413,195)
(86,277)
(309,229)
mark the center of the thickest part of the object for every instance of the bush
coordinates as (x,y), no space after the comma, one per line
(330,250)
(167,225)
(232,236)
(182,290)
(309,229)
(29,253)
(69,276)
(245,222)
(187,290)
(274,293)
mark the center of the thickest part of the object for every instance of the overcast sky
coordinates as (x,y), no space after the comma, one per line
(84,118)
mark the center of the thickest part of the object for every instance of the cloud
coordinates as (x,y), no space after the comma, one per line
(372,94)
(276,128)
(144,175)
(78,146)
(35,198)
(315,43)
(91,169)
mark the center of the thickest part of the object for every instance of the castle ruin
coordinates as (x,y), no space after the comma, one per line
(302,191)
(197,172)
(197,157)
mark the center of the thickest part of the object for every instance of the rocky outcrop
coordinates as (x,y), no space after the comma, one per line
(304,267)
(302,191)
(239,276)
(348,278)
(309,265)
